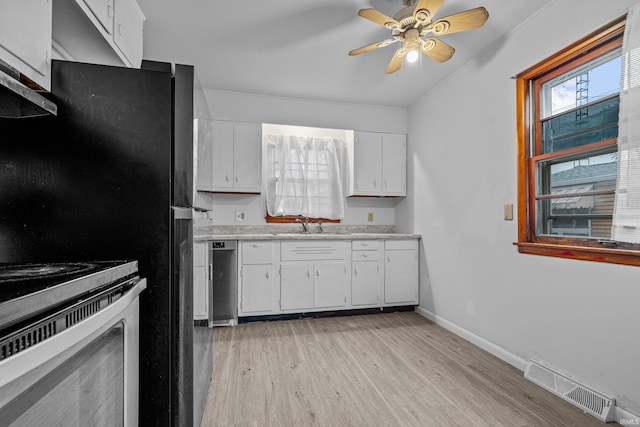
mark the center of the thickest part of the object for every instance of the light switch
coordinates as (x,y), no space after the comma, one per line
(508,212)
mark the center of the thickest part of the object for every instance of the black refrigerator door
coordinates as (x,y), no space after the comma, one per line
(183,113)
(182,285)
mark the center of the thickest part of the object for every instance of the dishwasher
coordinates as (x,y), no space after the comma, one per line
(223,278)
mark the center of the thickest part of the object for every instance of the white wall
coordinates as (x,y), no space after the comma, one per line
(578,317)
(299,112)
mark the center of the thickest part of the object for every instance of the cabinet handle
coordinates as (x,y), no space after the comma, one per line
(318,273)
(210,271)
(388,259)
(120,29)
(237,180)
(308,273)
(255,246)
(226,178)
(267,275)
(385,183)
(375,184)
(355,271)
(365,244)
(365,255)
(110,10)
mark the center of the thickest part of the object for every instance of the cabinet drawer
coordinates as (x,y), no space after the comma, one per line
(364,256)
(302,250)
(364,245)
(257,252)
(401,244)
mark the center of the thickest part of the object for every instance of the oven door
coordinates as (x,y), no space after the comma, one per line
(86,375)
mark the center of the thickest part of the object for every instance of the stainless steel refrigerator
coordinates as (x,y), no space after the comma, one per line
(112,177)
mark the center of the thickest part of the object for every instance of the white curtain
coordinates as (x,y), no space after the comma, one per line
(626,214)
(304,176)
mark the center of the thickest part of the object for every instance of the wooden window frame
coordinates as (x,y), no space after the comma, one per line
(589,47)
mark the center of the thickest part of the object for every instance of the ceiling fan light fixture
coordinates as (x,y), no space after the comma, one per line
(415,21)
(412,56)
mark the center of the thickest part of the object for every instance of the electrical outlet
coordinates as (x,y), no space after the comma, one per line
(240,216)
(508,212)
(370,217)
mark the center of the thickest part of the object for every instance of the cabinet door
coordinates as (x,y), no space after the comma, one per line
(256,294)
(296,286)
(394,165)
(330,283)
(222,143)
(200,282)
(401,277)
(128,28)
(365,283)
(247,154)
(25,38)
(103,11)
(368,163)
(203,138)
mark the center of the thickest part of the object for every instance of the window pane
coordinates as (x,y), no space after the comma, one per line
(595,80)
(587,125)
(567,210)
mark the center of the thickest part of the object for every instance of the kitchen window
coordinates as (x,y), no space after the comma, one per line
(569,192)
(304,173)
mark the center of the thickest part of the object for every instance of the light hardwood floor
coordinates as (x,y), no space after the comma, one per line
(387,369)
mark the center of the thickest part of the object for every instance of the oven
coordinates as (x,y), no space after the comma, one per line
(69,337)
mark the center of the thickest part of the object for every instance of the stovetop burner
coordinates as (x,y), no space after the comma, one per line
(19,272)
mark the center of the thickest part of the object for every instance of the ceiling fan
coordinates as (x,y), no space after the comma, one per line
(411,24)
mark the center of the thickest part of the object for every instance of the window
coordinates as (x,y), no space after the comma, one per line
(567,110)
(304,173)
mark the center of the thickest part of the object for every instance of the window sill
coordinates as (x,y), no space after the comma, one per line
(614,256)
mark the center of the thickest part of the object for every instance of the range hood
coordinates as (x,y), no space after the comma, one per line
(17,100)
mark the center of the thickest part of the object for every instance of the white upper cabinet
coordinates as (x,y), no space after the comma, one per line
(127,30)
(25,38)
(394,165)
(106,32)
(368,163)
(379,165)
(230,160)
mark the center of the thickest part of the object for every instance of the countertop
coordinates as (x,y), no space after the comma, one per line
(294,232)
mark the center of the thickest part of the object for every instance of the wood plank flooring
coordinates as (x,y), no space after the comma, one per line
(387,369)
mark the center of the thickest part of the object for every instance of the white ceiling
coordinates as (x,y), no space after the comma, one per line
(298,48)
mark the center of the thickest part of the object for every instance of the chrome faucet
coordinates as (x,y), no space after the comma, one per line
(305,224)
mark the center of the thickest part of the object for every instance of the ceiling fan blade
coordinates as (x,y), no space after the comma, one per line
(437,49)
(380,18)
(426,9)
(463,21)
(396,60)
(372,46)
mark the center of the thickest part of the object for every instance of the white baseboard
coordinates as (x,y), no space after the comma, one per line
(622,415)
(492,348)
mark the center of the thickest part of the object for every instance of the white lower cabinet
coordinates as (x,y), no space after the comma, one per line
(313,275)
(401,272)
(330,285)
(257,282)
(257,290)
(295,276)
(296,286)
(366,274)
(201,277)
